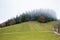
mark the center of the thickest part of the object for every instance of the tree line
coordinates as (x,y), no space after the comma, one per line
(42,16)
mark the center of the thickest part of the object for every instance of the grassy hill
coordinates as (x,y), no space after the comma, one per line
(31,30)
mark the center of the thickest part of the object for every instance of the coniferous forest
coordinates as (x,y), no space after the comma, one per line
(40,15)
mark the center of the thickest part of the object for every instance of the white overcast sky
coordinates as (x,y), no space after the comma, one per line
(11,8)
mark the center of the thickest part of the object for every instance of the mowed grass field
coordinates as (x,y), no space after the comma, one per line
(31,30)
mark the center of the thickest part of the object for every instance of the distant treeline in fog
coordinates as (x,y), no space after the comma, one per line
(40,15)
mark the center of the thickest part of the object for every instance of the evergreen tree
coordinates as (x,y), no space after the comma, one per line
(16,20)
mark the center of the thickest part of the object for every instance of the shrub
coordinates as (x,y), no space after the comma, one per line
(57,26)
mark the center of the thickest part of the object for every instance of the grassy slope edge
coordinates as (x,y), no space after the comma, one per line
(31,30)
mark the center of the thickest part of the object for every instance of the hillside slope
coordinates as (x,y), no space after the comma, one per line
(31,30)
(28,27)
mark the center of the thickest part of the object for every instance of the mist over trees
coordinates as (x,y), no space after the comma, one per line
(40,15)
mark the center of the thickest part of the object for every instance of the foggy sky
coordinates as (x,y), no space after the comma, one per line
(11,8)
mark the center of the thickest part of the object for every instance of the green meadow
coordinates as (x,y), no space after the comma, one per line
(31,30)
